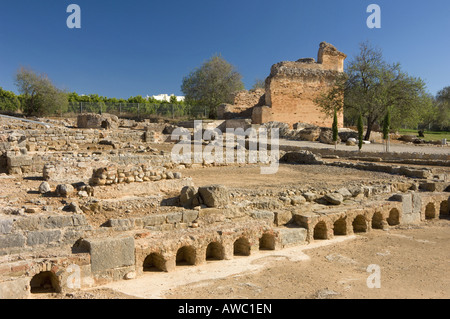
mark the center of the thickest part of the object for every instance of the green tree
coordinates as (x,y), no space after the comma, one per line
(335,129)
(371,86)
(387,128)
(212,84)
(360,131)
(443,109)
(40,96)
(9,101)
(374,85)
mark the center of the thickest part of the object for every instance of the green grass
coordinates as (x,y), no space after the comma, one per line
(429,136)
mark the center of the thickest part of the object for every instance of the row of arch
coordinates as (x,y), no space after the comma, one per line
(46,281)
(187,255)
(360,224)
(431,211)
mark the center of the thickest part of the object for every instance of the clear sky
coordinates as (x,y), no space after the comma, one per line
(137,47)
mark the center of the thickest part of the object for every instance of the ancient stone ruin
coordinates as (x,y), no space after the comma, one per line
(82,207)
(290,91)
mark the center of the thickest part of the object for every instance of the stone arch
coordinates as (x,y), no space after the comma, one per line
(430,211)
(340,227)
(394,217)
(444,209)
(186,255)
(377,220)
(154,262)
(320,231)
(241,247)
(359,224)
(215,251)
(267,242)
(45,282)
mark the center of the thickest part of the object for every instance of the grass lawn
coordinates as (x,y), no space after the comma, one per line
(429,136)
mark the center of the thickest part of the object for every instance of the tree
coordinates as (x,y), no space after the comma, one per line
(387,128)
(8,101)
(374,86)
(259,84)
(335,129)
(443,108)
(40,96)
(360,131)
(371,86)
(212,84)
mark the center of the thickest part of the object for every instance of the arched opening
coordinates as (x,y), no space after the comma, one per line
(394,217)
(430,211)
(377,221)
(154,262)
(241,247)
(359,224)
(185,256)
(267,242)
(444,210)
(45,282)
(340,227)
(214,251)
(320,231)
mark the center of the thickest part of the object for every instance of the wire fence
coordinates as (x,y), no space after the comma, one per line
(140,110)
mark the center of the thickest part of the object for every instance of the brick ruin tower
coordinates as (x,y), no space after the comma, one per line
(292,87)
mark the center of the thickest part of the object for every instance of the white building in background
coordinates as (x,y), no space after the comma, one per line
(166,97)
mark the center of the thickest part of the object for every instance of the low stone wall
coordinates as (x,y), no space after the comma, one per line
(31,233)
(414,158)
(130,174)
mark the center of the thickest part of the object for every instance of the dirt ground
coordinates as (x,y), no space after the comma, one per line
(413,264)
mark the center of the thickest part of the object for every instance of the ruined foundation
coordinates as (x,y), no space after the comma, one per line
(116,207)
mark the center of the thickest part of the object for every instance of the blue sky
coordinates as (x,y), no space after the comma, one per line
(136,47)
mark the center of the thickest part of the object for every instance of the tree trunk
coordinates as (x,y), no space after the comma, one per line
(369,129)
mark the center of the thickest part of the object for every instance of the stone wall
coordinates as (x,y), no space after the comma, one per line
(243,103)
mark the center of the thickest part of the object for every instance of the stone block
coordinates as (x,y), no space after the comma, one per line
(172,218)
(214,195)
(110,253)
(15,289)
(189,216)
(53,222)
(265,215)
(154,220)
(334,198)
(292,236)
(409,216)
(282,217)
(45,237)
(187,195)
(5,226)
(19,160)
(12,241)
